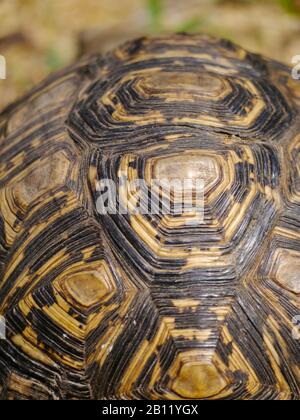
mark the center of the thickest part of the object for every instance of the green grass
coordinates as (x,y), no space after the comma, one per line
(54,60)
(193,25)
(291,6)
(155,10)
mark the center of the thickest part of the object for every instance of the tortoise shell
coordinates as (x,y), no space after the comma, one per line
(153,306)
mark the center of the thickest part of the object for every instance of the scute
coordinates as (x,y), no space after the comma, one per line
(43,178)
(198,381)
(91,286)
(236,94)
(152,306)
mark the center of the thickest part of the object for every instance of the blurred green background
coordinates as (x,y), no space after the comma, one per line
(40,36)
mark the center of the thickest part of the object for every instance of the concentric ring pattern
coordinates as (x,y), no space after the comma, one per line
(155,303)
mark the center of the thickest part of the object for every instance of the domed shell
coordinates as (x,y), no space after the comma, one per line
(153,304)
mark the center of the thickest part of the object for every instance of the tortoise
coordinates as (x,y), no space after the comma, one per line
(141,305)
